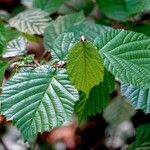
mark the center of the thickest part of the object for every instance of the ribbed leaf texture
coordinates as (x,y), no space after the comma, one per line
(6,35)
(62,45)
(142,140)
(117,111)
(98,98)
(60,25)
(127,56)
(89,30)
(32,21)
(38,100)
(49,6)
(85,66)
(139,98)
(15,47)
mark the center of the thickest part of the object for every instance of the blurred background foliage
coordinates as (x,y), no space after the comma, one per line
(119,126)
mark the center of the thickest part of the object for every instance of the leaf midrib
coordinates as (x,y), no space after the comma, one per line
(50,80)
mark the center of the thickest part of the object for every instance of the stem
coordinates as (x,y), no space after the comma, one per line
(36,62)
(15,59)
(34,66)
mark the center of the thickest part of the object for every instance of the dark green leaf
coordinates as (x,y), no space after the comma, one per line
(98,98)
(60,25)
(142,140)
(89,30)
(123,9)
(62,45)
(72,6)
(127,56)
(38,100)
(49,6)
(143,28)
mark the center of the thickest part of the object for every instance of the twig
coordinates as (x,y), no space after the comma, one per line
(34,66)
(37,63)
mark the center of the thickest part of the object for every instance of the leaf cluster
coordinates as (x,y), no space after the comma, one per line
(87,58)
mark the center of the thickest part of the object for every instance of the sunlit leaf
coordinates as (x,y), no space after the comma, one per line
(85,66)
(32,21)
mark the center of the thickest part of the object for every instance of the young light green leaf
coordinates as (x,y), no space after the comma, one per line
(15,47)
(127,56)
(31,38)
(32,21)
(139,98)
(98,98)
(142,141)
(60,25)
(49,6)
(85,66)
(38,100)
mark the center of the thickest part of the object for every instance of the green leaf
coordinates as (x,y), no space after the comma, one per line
(142,140)
(15,47)
(89,30)
(85,66)
(32,21)
(6,35)
(60,25)
(64,41)
(139,98)
(72,6)
(3,67)
(126,55)
(109,82)
(98,98)
(62,45)
(4,15)
(38,100)
(143,28)
(31,38)
(49,6)
(117,111)
(123,9)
